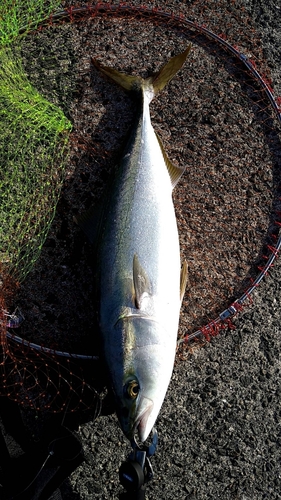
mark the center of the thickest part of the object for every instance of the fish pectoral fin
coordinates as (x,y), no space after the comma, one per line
(142,288)
(168,71)
(183,279)
(174,172)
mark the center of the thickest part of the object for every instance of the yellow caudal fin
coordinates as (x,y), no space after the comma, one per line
(160,79)
(126,81)
(154,83)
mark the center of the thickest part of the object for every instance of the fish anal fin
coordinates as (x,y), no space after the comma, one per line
(183,279)
(142,288)
(174,172)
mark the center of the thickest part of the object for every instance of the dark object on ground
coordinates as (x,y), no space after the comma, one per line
(34,470)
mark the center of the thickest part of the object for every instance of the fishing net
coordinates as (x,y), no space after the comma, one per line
(33,152)
(33,135)
(219,117)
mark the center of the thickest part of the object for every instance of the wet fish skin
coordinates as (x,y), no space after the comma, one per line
(138,262)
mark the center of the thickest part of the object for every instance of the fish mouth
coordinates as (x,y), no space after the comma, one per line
(141,425)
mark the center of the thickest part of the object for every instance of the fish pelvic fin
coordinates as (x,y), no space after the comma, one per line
(153,83)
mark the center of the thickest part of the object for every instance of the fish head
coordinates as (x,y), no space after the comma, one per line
(142,378)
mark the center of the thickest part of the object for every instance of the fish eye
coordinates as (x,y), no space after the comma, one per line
(132,389)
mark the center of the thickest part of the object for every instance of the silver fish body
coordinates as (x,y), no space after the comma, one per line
(138,261)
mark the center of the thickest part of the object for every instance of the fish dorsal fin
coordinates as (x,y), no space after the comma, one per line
(160,79)
(174,172)
(142,288)
(183,279)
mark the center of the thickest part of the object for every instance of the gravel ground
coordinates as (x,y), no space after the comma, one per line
(219,427)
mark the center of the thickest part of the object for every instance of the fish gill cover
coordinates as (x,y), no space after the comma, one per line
(216,118)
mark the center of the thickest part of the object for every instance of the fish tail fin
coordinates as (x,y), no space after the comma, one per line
(153,83)
(128,82)
(160,79)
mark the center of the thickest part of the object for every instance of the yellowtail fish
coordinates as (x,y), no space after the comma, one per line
(140,282)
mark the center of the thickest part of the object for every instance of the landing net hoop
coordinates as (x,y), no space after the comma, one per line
(73,15)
